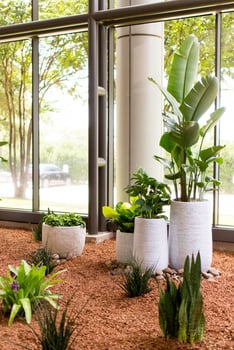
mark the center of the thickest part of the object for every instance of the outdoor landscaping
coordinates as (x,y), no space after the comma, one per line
(107,318)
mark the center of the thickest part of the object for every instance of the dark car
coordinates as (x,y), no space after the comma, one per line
(52,175)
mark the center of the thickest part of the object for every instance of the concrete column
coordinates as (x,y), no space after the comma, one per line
(139,119)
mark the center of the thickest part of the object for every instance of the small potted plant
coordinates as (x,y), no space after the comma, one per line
(189,158)
(150,247)
(122,216)
(63,234)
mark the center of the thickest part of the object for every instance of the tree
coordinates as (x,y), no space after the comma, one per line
(61,56)
(204,28)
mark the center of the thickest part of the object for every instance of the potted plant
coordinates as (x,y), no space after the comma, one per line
(63,234)
(189,158)
(122,216)
(150,247)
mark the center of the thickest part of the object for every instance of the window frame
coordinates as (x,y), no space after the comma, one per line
(100,21)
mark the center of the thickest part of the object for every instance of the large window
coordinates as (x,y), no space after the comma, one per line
(16,123)
(63,123)
(59,132)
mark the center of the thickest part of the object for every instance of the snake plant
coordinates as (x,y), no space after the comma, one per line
(181,307)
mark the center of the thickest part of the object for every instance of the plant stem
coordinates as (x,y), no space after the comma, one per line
(183,184)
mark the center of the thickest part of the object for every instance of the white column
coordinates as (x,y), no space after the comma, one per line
(138,119)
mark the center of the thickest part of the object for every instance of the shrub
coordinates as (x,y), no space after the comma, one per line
(66,219)
(24,287)
(56,329)
(136,281)
(42,257)
(181,308)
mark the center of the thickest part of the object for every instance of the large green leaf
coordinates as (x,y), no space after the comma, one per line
(200,98)
(169,97)
(26,304)
(210,152)
(212,121)
(14,311)
(186,135)
(109,212)
(167,143)
(183,72)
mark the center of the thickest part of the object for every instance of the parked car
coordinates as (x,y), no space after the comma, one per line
(52,175)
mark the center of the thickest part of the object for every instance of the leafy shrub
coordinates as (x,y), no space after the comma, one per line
(42,257)
(152,195)
(66,219)
(123,215)
(181,308)
(136,281)
(24,287)
(56,328)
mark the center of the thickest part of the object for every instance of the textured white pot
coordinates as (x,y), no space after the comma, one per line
(64,240)
(190,231)
(150,246)
(124,247)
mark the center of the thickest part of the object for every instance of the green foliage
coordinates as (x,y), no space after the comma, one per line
(42,257)
(184,137)
(123,215)
(181,307)
(152,195)
(66,219)
(227,170)
(136,281)
(204,27)
(24,287)
(56,328)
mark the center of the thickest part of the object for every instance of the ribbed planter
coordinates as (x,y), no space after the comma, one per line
(150,246)
(64,240)
(124,247)
(190,231)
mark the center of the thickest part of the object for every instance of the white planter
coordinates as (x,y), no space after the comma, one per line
(63,240)
(190,231)
(150,246)
(124,247)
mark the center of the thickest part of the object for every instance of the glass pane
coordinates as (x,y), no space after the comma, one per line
(61,8)
(123,3)
(226,198)
(64,123)
(15,11)
(16,123)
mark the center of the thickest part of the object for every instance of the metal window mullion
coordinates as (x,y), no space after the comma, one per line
(35,122)
(218,33)
(111,102)
(93,120)
(158,11)
(35,112)
(102,133)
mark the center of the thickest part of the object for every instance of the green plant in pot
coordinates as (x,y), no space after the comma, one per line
(63,234)
(122,216)
(186,128)
(150,248)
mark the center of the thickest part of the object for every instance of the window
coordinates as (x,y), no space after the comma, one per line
(64,125)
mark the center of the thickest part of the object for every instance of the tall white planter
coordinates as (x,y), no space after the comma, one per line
(124,247)
(150,246)
(190,231)
(64,240)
